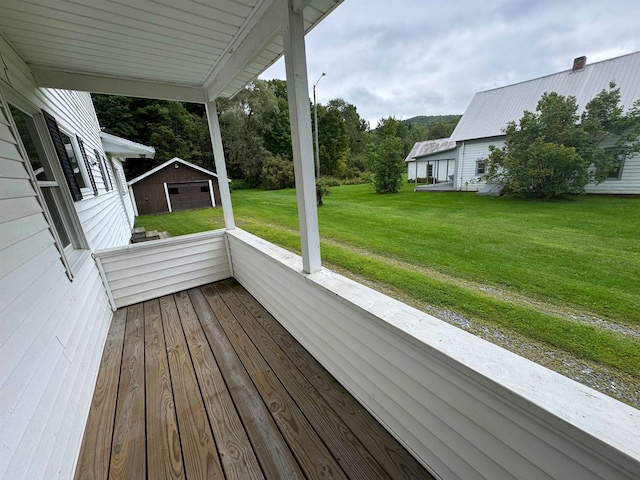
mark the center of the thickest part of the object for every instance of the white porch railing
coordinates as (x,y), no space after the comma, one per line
(139,272)
(466,408)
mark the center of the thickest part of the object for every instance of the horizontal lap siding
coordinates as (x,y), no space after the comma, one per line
(145,271)
(52,330)
(629,183)
(455,424)
(473,151)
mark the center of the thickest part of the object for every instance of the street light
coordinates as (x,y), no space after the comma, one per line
(315,122)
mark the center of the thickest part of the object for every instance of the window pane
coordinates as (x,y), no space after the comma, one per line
(48,193)
(26,129)
(74,159)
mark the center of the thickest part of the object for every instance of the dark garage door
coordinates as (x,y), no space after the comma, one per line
(187,196)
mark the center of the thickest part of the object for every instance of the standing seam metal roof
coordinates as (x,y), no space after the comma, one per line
(429,147)
(491,110)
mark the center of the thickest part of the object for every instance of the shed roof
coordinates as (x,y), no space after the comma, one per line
(429,147)
(166,164)
(490,111)
(121,147)
(178,50)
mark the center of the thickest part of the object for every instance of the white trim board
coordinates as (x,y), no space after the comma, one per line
(166,164)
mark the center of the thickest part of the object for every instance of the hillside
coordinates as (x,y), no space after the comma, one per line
(431,119)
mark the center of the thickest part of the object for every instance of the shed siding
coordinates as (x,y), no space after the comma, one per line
(52,330)
(148,270)
(149,192)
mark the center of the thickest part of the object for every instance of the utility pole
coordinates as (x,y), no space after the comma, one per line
(315,122)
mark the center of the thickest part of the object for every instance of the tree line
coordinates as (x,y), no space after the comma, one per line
(257,139)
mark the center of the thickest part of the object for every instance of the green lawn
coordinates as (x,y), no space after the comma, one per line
(582,254)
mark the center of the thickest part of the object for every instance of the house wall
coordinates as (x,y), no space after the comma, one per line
(470,152)
(628,184)
(464,407)
(150,194)
(444,159)
(120,183)
(52,329)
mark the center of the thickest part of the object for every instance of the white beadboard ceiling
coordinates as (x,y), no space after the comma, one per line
(207,48)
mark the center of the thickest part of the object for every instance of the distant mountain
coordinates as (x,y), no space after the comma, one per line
(431,119)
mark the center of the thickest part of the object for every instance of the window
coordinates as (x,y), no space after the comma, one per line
(617,157)
(174,191)
(481,167)
(73,158)
(61,221)
(429,170)
(204,189)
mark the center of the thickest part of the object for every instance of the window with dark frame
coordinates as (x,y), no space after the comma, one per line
(49,187)
(174,191)
(618,157)
(204,189)
(481,167)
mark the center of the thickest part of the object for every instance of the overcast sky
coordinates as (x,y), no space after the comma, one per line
(429,57)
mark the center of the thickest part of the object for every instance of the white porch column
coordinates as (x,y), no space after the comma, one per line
(221,166)
(300,118)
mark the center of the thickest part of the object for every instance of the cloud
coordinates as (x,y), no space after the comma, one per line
(419,57)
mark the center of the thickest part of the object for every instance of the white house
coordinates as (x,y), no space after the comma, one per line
(433,162)
(489,112)
(461,407)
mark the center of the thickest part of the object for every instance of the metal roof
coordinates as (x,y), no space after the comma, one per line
(490,111)
(197,50)
(429,147)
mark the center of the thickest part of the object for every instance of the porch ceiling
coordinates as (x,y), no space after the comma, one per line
(185,50)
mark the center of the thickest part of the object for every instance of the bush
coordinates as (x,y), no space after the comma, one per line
(239,184)
(277,173)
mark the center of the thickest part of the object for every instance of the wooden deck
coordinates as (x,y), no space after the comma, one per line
(205,384)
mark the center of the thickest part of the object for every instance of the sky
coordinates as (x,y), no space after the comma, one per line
(429,57)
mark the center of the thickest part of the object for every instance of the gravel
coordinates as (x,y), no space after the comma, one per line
(616,384)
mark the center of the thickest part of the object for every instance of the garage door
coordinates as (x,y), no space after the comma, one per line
(187,196)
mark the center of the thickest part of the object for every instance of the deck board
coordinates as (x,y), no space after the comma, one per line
(209,385)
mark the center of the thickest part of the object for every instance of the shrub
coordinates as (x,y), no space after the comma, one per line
(277,173)
(322,190)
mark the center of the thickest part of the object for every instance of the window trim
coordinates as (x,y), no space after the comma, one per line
(622,161)
(72,253)
(79,145)
(484,168)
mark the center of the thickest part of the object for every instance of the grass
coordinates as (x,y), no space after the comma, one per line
(582,253)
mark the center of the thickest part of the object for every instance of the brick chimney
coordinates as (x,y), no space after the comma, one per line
(579,63)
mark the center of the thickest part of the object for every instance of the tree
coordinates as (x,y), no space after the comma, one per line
(277,173)
(550,154)
(387,159)
(175,129)
(333,140)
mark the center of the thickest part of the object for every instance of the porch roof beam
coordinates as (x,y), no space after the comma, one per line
(47,78)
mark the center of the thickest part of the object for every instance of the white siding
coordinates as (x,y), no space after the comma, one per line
(629,182)
(466,408)
(120,184)
(52,330)
(149,270)
(470,153)
(51,333)
(75,113)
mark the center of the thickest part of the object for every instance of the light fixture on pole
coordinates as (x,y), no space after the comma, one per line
(315,122)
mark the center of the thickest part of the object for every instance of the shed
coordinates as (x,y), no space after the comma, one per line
(173,186)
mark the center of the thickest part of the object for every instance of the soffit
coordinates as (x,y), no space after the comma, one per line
(180,43)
